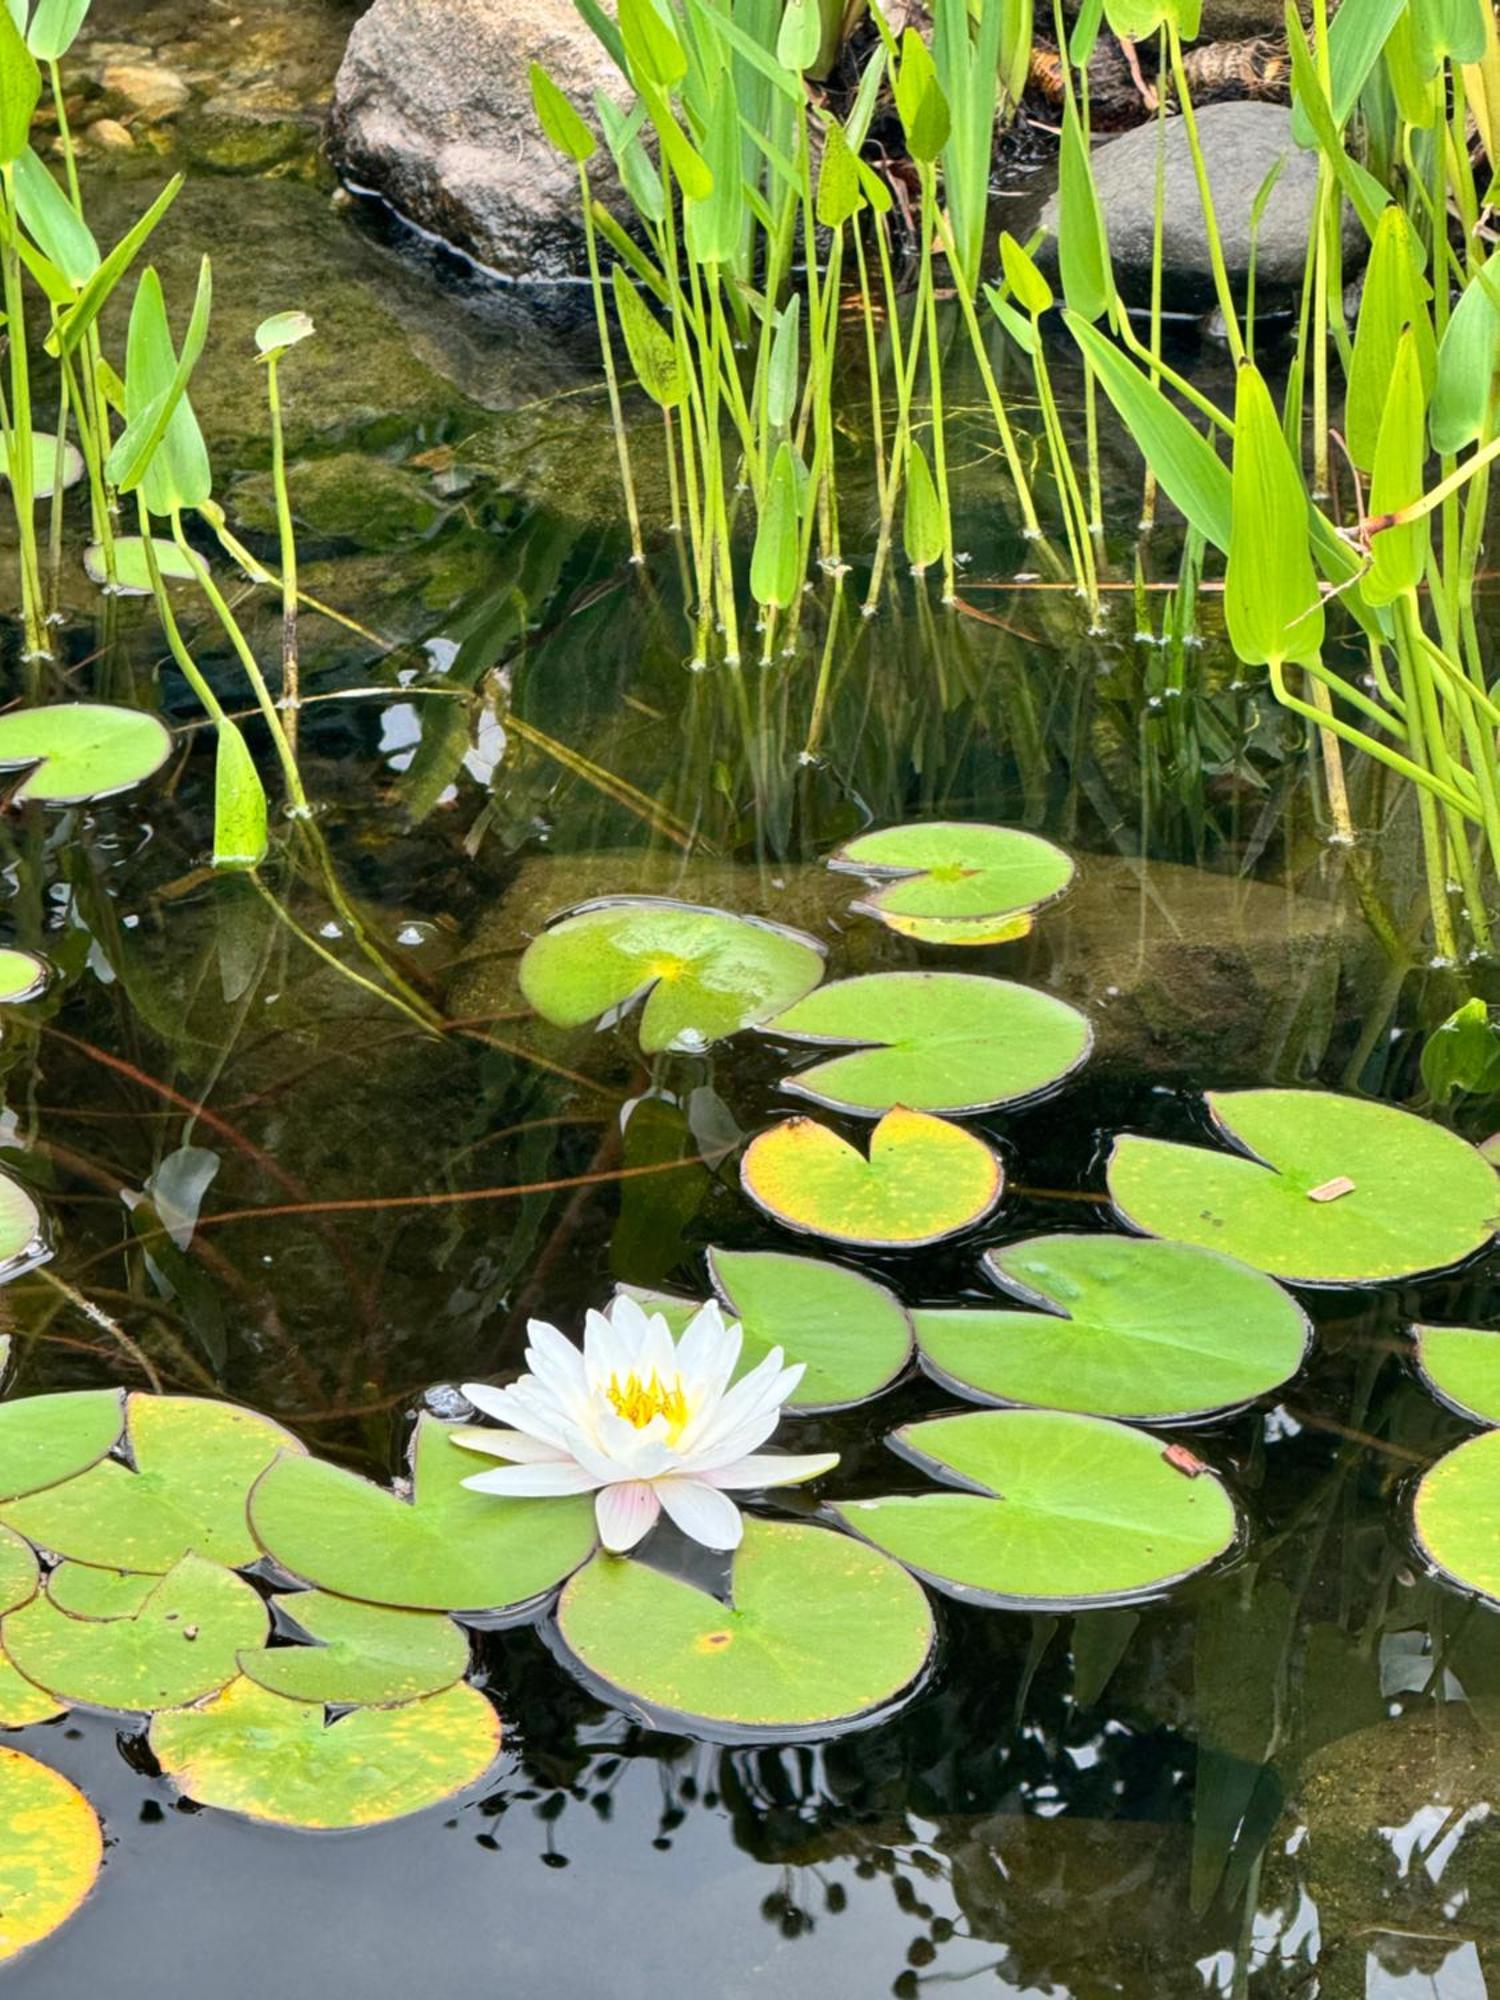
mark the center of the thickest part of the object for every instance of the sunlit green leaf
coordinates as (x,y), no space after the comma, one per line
(1462,1365)
(360,1653)
(51,1849)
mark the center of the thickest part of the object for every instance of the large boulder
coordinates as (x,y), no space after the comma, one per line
(432,111)
(1242,143)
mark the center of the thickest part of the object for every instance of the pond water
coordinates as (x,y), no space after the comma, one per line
(1274,1781)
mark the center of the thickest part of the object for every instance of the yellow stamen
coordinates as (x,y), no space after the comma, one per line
(640,1402)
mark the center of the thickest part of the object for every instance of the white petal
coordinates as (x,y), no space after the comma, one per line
(533,1482)
(526,1406)
(736,1443)
(707,1356)
(761,1390)
(772,1468)
(625,1513)
(489,1399)
(605,1351)
(708,1516)
(556,1362)
(514,1445)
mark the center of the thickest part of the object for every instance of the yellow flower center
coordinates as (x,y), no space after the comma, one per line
(640,1402)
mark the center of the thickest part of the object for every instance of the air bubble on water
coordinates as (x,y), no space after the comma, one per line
(330,929)
(447,1400)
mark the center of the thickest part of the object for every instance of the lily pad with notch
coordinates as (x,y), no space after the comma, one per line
(181,1642)
(852,1336)
(1461,1365)
(47,1439)
(448,1548)
(20,1573)
(256,1753)
(947,882)
(78,750)
(1457,1515)
(934,1041)
(51,1847)
(364,1655)
(817,1629)
(1325,1190)
(1120,1326)
(705,973)
(924,1180)
(194,1464)
(1059,1510)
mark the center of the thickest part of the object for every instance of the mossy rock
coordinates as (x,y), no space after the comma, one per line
(349,498)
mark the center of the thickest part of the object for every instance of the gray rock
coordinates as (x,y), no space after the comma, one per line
(1242,143)
(432,110)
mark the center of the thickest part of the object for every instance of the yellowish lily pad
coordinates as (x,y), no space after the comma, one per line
(51,1846)
(924,1179)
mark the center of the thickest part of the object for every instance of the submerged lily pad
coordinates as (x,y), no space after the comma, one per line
(22,976)
(1457,1511)
(51,1846)
(925,1179)
(195,1462)
(22,1245)
(254,1752)
(132,575)
(81,750)
(362,1654)
(934,1041)
(45,1439)
(1462,1366)
(950,883)
(853,1335)
(44,480)
(1069,1510)
(447,1549)
(818,1629)
(1126,1327)
(1335,1191)
(182,1642)
(706,974)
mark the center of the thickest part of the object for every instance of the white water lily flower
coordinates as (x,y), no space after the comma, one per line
(642,1422)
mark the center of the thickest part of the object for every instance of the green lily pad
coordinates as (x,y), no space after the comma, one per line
(195,1462)
(51,1846)
(132,576)
(19,1572)
(1334,1191)
(253,1752)
(22,1702)
(81,750)
(945,882)
(447,1549)
(852,1336)
(182,1642)
(1457,1512)
(44,464)
(362,1654)
(1462,1366)
(22,976)
(1068,1510)
(1126,1327)
(46,1439)
(706,974)
(818,1629)
(924,1179)
(933,1041)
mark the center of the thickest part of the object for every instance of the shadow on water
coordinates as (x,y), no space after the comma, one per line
(1275,1784)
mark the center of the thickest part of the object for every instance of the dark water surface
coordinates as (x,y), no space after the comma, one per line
(1274,1783)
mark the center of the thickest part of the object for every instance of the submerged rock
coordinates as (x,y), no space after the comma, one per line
(432,111)
(1242,143)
